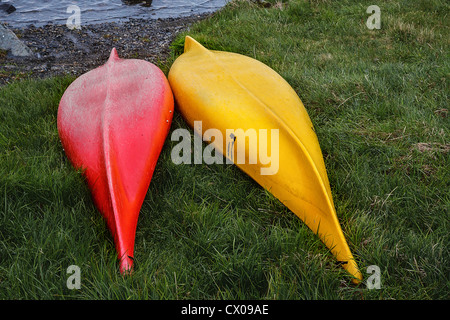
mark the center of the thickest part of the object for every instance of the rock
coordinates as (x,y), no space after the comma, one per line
(10,42)
(8,8)
(144,3)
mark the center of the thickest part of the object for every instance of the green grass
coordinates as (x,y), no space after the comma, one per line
(379,103)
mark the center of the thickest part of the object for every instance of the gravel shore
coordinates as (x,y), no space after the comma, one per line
(59,50)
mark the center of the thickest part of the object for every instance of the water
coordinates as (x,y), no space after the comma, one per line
(42,12)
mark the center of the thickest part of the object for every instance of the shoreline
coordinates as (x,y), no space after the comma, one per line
(59,50)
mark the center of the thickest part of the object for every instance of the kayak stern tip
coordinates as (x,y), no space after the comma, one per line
(114,55)
(191,44)
(352,268)
(126,265)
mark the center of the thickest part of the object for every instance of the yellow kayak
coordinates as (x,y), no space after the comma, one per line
(266,132)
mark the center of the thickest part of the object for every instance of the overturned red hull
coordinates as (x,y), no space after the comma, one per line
(112,122)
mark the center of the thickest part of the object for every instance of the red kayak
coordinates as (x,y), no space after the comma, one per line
(112,122)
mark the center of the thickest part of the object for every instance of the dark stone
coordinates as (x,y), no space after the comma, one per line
(8,8)
(144,3)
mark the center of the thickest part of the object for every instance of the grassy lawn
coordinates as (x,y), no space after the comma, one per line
(379,102)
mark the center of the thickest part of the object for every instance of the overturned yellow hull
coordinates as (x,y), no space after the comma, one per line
(276,146)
